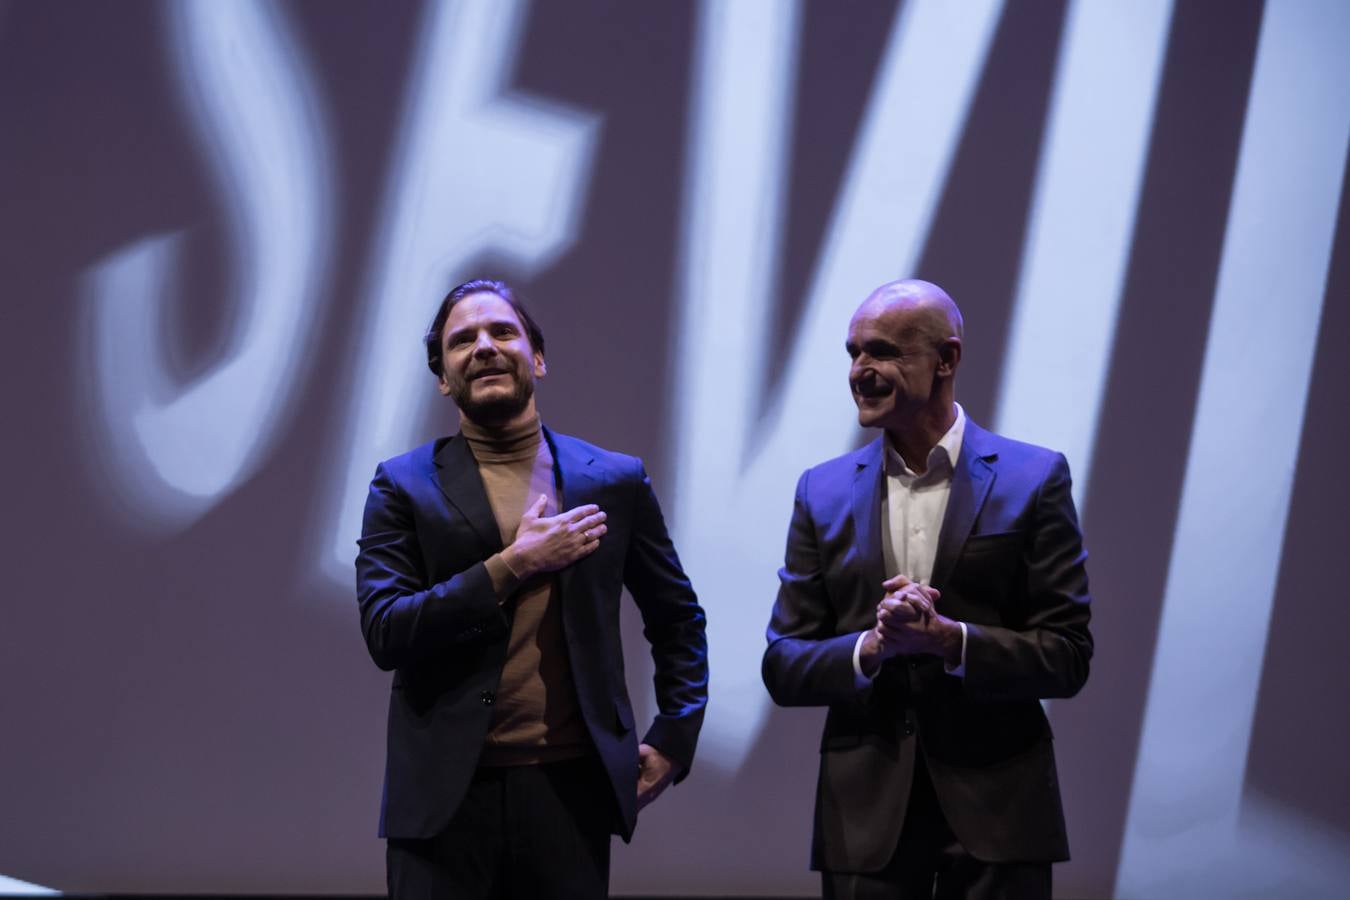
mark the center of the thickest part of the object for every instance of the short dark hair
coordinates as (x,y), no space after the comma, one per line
(432,339)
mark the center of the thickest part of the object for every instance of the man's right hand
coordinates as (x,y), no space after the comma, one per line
(549,543)
(904,601)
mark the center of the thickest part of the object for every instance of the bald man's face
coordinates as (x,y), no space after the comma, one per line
(895,363)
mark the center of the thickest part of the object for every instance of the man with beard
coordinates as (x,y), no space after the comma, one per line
(933,593)
(489,576)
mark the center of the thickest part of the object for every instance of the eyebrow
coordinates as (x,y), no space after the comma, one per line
(874,343)
(469,329)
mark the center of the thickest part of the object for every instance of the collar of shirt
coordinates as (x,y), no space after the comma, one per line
(941,459)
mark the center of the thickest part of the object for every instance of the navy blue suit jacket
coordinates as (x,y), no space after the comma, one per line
(429,612)
(1010,564)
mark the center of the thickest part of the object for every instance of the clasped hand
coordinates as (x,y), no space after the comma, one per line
(549,543)
(907,623)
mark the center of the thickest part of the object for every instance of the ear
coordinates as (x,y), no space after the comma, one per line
(949,357)
(540,370)
(442,385)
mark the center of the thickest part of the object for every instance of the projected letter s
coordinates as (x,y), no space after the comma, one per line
(176,449)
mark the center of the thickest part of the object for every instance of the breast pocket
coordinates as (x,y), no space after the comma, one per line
(999,542)
(991,568)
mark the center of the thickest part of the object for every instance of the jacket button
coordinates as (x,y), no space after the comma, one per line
(909,728)
(487,697)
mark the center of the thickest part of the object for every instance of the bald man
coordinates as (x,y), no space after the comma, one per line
(933,593)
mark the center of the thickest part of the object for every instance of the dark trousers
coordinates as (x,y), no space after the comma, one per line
(930,863)
(522,832)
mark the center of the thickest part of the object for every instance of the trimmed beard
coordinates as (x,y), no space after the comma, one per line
(497,409)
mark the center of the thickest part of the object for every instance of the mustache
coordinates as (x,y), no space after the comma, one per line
(491,369)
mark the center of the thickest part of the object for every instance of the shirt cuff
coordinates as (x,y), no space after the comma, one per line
(959,670)
(859,679)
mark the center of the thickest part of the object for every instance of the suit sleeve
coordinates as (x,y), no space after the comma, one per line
(1047,654)
(674,625)
(404,620)
(807,662)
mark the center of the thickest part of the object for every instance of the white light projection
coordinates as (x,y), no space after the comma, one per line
(1192,829)
(735,468)
(176,449)
(1081,227)
(739,136)
(477,169)
(13,887)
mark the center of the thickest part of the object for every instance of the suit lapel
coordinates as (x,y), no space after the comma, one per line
(574,467)
(867,499)
(457,476)
(972,477)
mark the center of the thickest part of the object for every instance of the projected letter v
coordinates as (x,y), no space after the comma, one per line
(737,464)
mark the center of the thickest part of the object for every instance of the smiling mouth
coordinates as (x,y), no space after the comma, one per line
(488,373)
(870,389)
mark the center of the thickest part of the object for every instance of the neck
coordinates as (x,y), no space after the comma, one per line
(502,442)
(497,428)
(915,438)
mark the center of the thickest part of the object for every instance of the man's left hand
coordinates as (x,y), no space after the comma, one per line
(655,772)
(908,623)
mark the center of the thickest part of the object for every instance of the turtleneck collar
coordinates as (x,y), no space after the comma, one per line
(512,443)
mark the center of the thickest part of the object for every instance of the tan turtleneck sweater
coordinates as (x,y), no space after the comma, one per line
(535,717)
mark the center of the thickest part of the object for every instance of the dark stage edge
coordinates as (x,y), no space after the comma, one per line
(379,896)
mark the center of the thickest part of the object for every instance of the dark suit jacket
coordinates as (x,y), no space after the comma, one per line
(1010,564)
(428,612)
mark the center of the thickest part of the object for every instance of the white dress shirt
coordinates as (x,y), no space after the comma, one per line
(914,506)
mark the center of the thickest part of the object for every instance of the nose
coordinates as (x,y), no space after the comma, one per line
(483,346)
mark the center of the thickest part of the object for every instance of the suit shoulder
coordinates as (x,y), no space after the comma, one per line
(1010,447)
(831,481)
(1019,454)
(844,463)
(609,459)
(418,459)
